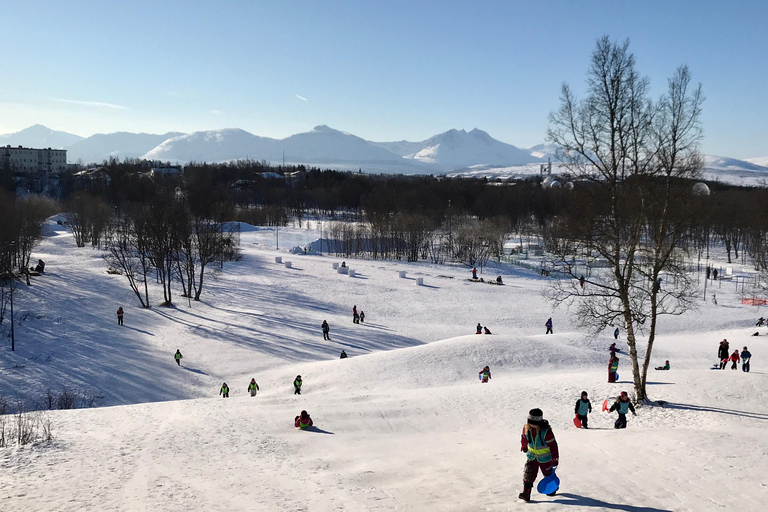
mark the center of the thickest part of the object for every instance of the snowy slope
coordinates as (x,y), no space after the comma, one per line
(457,148)
(402,424)
(215,146)
(759,161)
(39,136)
(122,145)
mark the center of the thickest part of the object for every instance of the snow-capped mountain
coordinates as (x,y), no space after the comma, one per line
(763,160)
(122,145)
(215,146)
(39,136)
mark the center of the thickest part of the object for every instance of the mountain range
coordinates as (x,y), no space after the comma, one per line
(453,150)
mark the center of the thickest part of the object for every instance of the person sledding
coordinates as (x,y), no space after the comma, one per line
(540,447)
(665,367)
(253,388)
(120,314)
(612,349)
(479,328)
(499,280)
(343,354)
(746,355)
(326,330)
(177,356)
(622,405)
(583,407)
(485,375)
(303,421)
(723,354)
(224,391)
(297,385)
(613,366)
(735,359)
(486,330)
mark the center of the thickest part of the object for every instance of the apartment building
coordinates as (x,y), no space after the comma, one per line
(22,160)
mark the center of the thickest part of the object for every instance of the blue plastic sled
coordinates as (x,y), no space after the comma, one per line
(548,484)
(617,375)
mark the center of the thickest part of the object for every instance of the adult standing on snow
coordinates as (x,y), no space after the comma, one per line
(120,315)
(474,273)
(224,390)
(722,354)
(326,330)
(253,387)
(622,405)
(355,316)
(613,366)
(745,357)
(177,356)
(297,385)
(549,326)
(540,447)
(616,335)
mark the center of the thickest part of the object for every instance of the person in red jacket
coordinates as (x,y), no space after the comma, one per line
(303,421)
(540,447)
(120,315)
(735,359)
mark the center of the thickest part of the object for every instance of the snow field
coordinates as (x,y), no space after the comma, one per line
(402,424)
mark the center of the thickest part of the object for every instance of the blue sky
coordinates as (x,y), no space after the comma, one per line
(385,71)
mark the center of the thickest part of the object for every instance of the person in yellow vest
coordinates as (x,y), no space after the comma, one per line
(303,421)
(253,387)
(177,356)
(540,447)
(224,390)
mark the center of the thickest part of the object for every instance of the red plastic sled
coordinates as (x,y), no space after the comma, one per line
(605,405)
(577,421)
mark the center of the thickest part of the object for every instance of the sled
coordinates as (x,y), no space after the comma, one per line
(548,484)
(605,405)
(577,422)
(617,376)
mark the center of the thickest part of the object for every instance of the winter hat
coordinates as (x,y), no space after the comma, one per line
(745,348)
(535,415)
(624,393)
(584,393)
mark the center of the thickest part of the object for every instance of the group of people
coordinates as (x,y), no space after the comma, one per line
(357,318)
(724,355)
(482,329)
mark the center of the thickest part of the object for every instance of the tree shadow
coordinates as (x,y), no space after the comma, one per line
(700,408)
(583,501)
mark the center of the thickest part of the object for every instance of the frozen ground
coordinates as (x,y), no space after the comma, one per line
(403,424)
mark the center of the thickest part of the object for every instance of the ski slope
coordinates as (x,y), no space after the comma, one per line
(402,424)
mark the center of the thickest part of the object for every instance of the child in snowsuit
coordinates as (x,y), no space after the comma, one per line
(540,447)
(613,350)
(665,367)
(479,328)
(343,355)
(326,330)
(253,387)
(549,326)
(120,315)
(474,273)
(722,354)
(362,316)
(297,385)
(303,421)
(224,390)
(745,357)
(622,405)
(583,407)
(735,359)
(486,330)
(613,365)
(177,356)
(485,375)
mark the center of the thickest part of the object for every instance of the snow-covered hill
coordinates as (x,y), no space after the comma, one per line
(458,148)
(39,136)
(122,145)
(215,146)
(402,424)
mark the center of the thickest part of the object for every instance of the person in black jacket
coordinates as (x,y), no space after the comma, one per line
(723,354)
(622,405)
(326,330)
(583,407)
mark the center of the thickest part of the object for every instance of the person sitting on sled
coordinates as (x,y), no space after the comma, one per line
(665,367)
(540,447)
(498,280)
(485,375)
(486,330)
(622,405)
(479,328)
(583,407)
(303,421)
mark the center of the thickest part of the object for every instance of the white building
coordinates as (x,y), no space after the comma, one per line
(22,160)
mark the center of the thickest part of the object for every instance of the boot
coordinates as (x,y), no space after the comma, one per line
(525,495)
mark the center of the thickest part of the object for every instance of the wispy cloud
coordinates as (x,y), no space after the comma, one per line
(96,104)
(214,111)
(302,98)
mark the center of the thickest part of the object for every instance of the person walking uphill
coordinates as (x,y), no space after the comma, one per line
(224,390)
(549,326)
(540,447)
(746,355)
(253,387)
(177,356)
(613,366)
(485,375)
(120,315)
(297,385)
(722,354)
(583,407)
(735,359)
(622,405)
(326,330)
